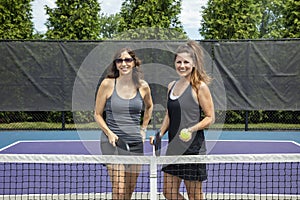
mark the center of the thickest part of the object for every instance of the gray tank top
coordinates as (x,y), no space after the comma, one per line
(123,116)
(184,112)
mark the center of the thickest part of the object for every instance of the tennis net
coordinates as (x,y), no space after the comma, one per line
(238,176)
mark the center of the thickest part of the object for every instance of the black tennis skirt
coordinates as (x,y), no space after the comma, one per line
(192,172)
(136,148)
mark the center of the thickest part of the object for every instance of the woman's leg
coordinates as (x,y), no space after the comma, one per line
(117,176)
(131,175)
(194,189)
(171,187)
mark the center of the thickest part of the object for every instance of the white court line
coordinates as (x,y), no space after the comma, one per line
(10,145)
(39,141)
(257,141)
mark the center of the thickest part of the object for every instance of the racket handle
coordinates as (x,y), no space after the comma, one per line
(157,143)
(157,136)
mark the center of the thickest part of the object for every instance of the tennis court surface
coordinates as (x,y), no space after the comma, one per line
(73,168)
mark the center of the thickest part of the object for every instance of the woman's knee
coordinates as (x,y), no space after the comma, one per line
(171,187)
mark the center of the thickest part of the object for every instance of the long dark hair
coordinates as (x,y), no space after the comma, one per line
(137,75)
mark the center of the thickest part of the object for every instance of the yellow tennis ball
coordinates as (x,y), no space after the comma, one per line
(185,135)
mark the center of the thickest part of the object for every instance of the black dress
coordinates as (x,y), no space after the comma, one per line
(185,112)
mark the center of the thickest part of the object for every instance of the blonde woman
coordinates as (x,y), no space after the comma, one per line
(188,97)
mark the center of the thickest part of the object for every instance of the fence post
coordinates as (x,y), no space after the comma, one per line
(246,120)
(63,121)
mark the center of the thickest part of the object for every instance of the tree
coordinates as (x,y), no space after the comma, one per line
(272,22)
(15,19)
(231,19)
(161,16)
(109,25)
(292,19)
(74,20)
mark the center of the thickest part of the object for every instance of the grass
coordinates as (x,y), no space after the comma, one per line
(46,125)
(259,126)
(93,125)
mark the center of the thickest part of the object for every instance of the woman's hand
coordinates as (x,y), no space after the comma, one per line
(154,138)
(151,139)
(112,138)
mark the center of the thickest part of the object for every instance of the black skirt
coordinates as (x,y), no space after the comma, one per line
(193,172)
(136,148)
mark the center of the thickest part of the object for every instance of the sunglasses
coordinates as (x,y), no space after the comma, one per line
(120,60)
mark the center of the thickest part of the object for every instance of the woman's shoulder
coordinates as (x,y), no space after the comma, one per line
(144,88)
(108,83)
(171,84)
(203,88)
(202,85)
(143,84)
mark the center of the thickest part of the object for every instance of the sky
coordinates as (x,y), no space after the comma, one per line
(190,15)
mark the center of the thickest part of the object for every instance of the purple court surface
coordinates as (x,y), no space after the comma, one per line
(287,175)
(93,147)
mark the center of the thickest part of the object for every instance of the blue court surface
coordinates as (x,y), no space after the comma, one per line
(88,142)
(218,143)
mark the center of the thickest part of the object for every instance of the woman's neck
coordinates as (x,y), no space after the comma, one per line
(126,80)
(184,80)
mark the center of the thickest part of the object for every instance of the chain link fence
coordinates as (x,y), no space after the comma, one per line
(261,78)
(227,120)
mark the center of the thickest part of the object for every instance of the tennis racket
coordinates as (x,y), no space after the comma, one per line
(123,145)
(157,143)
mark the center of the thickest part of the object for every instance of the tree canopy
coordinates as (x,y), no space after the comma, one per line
(109,25)
(250,19)
(161,16)
(16,19)
(292,19)
(152,19)
(231,19)
(74,20)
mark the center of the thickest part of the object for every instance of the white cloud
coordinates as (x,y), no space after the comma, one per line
(190,14)
(39,13)
(110,6)
(190,17)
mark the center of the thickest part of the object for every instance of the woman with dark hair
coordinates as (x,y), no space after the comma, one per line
(123,94)
(188,97)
